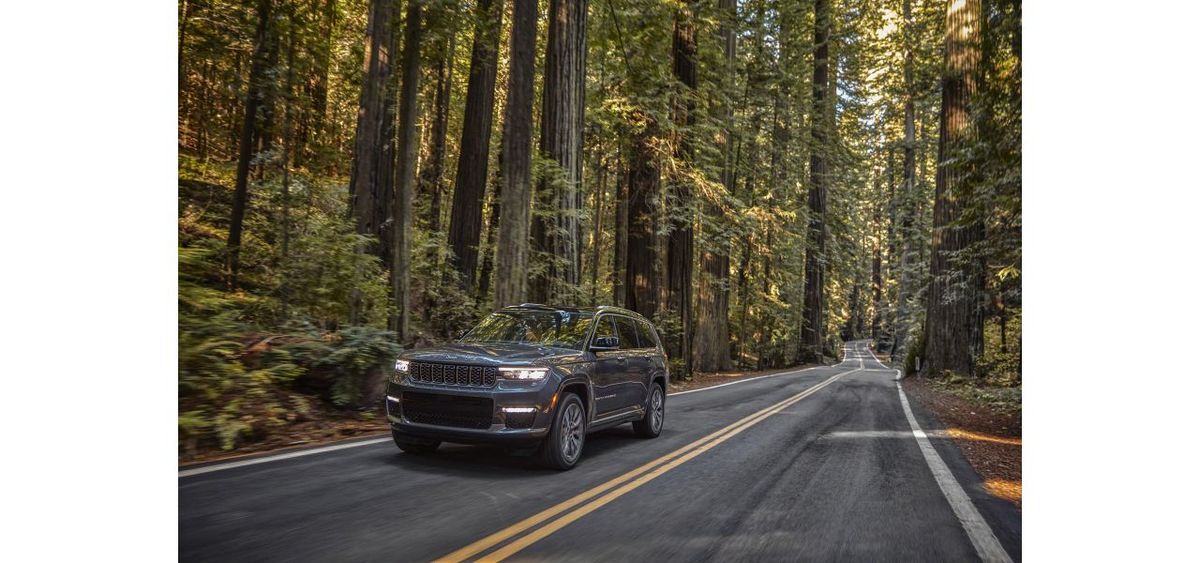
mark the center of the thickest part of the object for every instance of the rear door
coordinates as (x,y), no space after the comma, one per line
(633,384)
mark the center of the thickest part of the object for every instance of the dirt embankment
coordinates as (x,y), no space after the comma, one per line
(984,422)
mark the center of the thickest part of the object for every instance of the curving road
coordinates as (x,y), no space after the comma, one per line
(816,464)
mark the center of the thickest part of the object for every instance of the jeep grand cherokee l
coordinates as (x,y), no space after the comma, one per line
(532,375)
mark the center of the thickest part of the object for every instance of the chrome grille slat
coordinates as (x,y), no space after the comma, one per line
(456,375)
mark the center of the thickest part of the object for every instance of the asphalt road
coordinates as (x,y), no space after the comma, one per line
(820,464)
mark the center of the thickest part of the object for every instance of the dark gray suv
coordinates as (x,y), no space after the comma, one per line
(532,376)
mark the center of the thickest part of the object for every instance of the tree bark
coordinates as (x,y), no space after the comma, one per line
(372,146)
(251,124)
(434,173)
(641,281)
(905,208)
(621,236)
(512,246)
(813,330)
(562,141)
(954,317)
(680,253)
(410,79)
(466,213)
(712,296)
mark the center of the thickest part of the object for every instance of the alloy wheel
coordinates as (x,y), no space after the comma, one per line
(571,437)
(656,410)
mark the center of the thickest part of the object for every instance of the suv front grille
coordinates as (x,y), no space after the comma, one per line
(447,410)
(453,374)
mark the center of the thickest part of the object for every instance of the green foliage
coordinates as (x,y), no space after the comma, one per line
(1000,363)
(245,356)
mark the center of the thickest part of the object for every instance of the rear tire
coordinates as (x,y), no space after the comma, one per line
(650,426)
(414,446)
(564,443)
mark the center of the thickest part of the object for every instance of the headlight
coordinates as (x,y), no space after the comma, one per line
(401,371)
(526,374)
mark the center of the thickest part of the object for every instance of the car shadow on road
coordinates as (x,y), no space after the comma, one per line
(495,462)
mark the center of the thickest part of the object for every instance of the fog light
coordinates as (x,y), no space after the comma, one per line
(519,409)
(393,399)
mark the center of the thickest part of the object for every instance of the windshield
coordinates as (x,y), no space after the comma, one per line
(560,329)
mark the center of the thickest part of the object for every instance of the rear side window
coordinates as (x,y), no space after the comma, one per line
(627,332)
(648,336)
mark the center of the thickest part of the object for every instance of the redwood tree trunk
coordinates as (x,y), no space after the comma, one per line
(251,125)
(371,145)
(712,297)
(620,236)
(466,213)
(813,329)
(906,209)
(512,246)
(641,281)
(954,317)
(410,79)
(562,142)
(680,239)
(433,173)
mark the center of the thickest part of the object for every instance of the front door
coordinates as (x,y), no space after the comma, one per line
(610,369)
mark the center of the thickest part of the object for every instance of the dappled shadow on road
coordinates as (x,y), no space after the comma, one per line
(493,462)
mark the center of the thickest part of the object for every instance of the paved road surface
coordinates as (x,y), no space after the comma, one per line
(818,464)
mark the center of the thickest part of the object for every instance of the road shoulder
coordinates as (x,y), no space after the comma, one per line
(1002,515)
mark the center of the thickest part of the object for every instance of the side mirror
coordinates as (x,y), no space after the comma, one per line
(605,343)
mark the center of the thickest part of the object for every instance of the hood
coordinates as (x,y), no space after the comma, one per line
(493,354)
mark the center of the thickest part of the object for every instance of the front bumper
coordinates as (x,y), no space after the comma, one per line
(472,415)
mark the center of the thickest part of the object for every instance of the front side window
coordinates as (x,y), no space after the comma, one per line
(559,329)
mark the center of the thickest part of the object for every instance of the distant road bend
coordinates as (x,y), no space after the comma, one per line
(816,464)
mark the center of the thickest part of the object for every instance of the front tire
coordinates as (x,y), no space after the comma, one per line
(564,444)
(650,426)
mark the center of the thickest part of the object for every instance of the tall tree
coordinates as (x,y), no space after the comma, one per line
(641,279)
(406,150)
(251,127)
(905,207)
(512,246)
(471,181)
(466,213)
(562,142)
(813,330)
(434,167)
(680,253)
(954,310)
(371,172)
(620,235)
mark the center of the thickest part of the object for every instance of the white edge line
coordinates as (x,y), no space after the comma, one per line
(302,453)
(980,534)
(289,455)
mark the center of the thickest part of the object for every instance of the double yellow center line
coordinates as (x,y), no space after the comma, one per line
(618,486)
